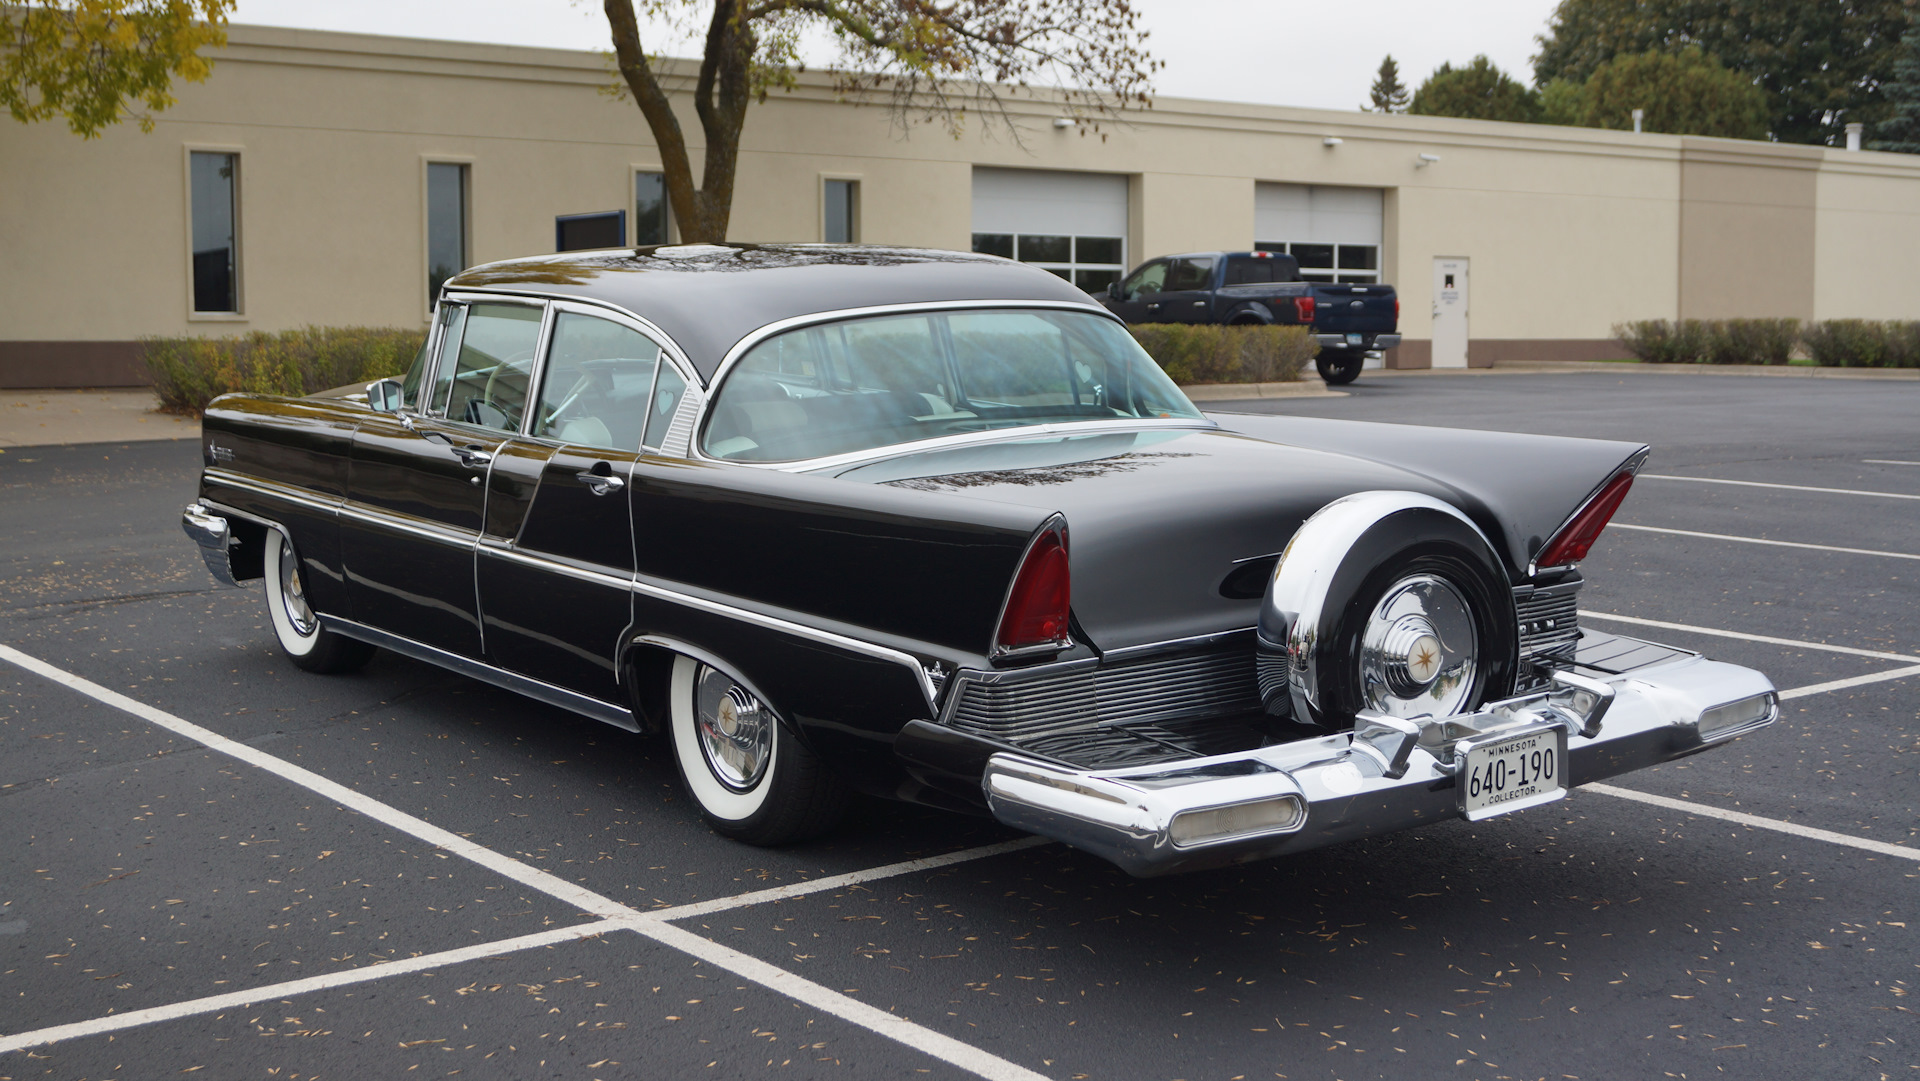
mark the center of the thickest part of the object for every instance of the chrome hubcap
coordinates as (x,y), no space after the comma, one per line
(1417,656)
(293,594)
(736,730)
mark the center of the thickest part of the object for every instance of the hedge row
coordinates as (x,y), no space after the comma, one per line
(1836,343)
(190,372)
(1193,353)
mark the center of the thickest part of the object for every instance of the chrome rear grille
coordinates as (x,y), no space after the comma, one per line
(1213,679)
(1549,618)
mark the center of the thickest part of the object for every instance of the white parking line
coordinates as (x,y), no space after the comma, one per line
(1886,461)
(1757,540)
(1755,821)
(346,977)
(1787,487)
(1744,637)
(1854,681)
(926,1040)
(851,878)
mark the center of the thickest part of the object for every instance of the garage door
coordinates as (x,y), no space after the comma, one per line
(1074,224)
(1333,232)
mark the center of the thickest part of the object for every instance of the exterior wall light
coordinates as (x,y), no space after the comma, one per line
(1331,140)
(1063,121)
(1425,160)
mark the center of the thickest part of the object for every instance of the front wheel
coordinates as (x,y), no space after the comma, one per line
(752,779)
(305,642)
(1339,367)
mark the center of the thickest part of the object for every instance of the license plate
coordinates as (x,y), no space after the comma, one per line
(1512,770)
(1356,339)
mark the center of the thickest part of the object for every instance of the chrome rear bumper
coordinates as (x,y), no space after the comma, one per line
(214,535)
(1390,775)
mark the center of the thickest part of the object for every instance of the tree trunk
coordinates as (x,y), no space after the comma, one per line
(721,97)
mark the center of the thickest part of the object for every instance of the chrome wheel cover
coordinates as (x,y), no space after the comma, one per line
(1418,653)
(293,594)
(735,728)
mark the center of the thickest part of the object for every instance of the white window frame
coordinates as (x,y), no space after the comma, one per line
(187,151)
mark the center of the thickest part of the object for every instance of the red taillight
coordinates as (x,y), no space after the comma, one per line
(1036,612)
(1572,543)
(1396,309)
(1304,305)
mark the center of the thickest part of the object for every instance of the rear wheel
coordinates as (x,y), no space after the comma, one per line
(752,780)
(305,642)
(1339,367)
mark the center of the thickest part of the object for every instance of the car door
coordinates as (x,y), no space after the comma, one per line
(556,556)
(1188,294)
(417,479)
(1140,293)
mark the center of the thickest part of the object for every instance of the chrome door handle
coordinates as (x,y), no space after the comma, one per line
(600,483)
(1199,303)
(473,457)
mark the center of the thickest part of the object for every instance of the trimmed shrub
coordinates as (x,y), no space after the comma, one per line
(1664,341)
(1202,353)
(189,372)
(1863,343)
(1752,341)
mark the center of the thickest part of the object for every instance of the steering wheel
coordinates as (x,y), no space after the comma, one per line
(493,378)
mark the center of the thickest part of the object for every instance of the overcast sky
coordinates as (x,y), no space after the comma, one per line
(1321,54)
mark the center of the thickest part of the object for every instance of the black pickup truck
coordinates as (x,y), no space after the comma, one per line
(1254,287)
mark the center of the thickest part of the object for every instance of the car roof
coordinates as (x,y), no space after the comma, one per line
(707,297)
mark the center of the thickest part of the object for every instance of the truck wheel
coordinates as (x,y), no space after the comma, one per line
(305,642)
(752,780)
(1339,368)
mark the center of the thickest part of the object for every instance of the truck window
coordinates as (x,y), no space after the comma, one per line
(1148,279)
(1245,270)
(1190,273)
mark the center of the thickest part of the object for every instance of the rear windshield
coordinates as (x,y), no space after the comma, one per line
(1250,270)
(862,384)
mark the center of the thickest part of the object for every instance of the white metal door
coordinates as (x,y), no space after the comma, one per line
(1449,312)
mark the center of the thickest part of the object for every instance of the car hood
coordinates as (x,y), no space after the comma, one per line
(1160,520)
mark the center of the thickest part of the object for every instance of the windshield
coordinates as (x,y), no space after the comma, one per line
(856,385)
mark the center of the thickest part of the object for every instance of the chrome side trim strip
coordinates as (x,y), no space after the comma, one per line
(471,541)
(486,673)
(458,538)
(269,488)
(774,623)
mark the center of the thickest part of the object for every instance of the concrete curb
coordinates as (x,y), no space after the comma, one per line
(1569,367)
(1310,387)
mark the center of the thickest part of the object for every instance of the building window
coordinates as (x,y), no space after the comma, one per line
(216,252)
(1090,262)
(446,224)
(1357,264)
(585,232)
(649,209)
(841,211)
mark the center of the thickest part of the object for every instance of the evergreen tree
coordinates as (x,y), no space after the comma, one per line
(1900,131)
(1479,91)
(1389,94)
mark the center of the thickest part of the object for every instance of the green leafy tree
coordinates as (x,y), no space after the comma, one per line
(931,62)
(98,62)
(1563,101)
(1899,130)
(1388,94)
(1683,93)
(1479,91)
(1821,63)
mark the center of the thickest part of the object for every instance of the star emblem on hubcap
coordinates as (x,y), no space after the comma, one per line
(1423,660)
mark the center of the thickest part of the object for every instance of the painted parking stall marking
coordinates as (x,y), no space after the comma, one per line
(1762,540)
(1783,487)
(612,913)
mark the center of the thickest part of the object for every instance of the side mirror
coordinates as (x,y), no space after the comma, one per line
(386,396)
(1114,292)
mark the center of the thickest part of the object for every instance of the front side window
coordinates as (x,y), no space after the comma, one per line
(1151,278)
(598,383)
(216,250)
(862,384)
(487,382)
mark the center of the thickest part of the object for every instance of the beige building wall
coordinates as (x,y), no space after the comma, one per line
(1569,231)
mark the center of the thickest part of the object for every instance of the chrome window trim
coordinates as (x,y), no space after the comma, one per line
(740,348)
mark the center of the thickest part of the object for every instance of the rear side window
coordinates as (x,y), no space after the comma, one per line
(1189,273)
(1244,270)
(598,381)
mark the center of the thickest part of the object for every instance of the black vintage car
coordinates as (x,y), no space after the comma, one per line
(929,525)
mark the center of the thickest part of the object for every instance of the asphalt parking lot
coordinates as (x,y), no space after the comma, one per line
(217,864)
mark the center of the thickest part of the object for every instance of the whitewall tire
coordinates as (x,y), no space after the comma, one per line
(295,624)
(752,780)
